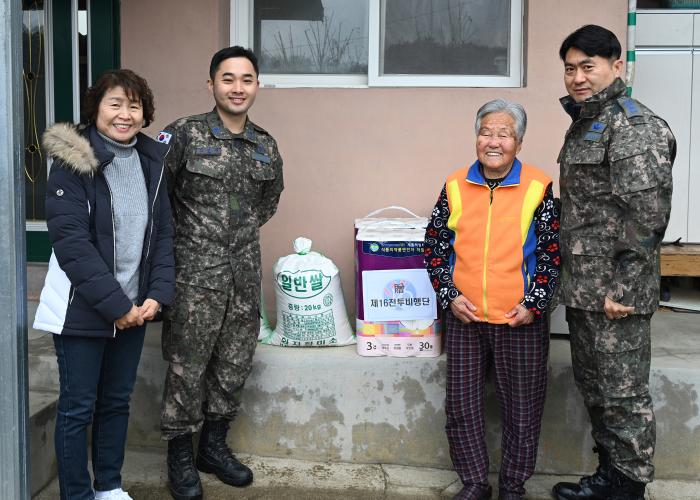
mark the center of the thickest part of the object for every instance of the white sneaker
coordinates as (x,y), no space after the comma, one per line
(118,494)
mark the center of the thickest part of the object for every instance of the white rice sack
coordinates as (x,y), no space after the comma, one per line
(265,330)
(310,305)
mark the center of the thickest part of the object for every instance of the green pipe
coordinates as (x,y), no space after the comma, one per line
(631,54)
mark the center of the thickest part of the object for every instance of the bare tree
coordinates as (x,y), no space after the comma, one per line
(460,23)
(327,45)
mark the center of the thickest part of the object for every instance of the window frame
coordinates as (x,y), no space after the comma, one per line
(63,77)
(39,225)
(241,33)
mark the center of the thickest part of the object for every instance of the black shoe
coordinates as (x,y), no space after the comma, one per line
(595,487)
(625,488)
(509,495)
(183,479)
(484,495)
(215,457)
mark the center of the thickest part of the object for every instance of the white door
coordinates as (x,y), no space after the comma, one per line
(663,82)
(694,166)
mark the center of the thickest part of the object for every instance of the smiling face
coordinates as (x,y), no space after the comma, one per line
(586,75)
(497,144)
(119,117)
(234,87)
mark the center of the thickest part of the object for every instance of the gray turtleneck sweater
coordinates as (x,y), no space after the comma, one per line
(130,212)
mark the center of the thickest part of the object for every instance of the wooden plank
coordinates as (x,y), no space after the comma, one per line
(680,260)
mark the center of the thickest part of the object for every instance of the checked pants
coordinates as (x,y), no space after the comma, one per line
(519,359)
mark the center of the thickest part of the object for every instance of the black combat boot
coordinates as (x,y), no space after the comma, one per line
(183,479)
(624,488)
(595,487)
(215,457)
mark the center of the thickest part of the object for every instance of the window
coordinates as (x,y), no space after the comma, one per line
(38,93)
(81,54)
(35,106)
(65,43)
(419,43)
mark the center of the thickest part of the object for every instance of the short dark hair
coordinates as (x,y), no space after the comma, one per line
(135,87)
(228,53)
(592,40)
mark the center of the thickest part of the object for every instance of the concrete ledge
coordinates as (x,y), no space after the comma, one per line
(335,405)
(330,405)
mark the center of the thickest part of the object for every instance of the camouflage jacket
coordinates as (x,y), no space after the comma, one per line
(222,188)
(616,185)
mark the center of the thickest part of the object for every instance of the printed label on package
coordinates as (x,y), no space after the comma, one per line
(398,294)
(393,248)
(303,284)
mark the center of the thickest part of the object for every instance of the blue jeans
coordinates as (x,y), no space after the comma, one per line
(97,377)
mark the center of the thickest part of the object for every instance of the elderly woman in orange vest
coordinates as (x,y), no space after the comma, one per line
(492,252)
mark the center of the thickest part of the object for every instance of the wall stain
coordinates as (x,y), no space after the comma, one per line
(145,408)
(287,394)
(413,393)
(675,407)
(437,375)
(263,425)
(409,441)
(565,420)
(412,443)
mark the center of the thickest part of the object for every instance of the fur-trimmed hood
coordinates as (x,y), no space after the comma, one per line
(65,142)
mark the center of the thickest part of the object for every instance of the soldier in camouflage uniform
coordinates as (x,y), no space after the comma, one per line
(224,176)
(616,187)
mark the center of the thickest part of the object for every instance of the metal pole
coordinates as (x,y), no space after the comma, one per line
(14,470)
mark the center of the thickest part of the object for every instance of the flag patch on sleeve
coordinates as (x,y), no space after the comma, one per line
(164,137)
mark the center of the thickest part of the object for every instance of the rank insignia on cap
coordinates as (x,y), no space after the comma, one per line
(164,137)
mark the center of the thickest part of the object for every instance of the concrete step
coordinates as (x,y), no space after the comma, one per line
(43,369)
(43,399)
(331,405)
(42,420)
(145,477)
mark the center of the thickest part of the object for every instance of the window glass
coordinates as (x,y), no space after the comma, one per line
(34,82)
(663,4)
(311,36)
(445,37)
(83,56)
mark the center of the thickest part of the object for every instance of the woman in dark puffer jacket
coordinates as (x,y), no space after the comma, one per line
(111,270)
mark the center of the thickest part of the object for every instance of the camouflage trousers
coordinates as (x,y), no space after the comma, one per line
(611,361)
(209,339)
